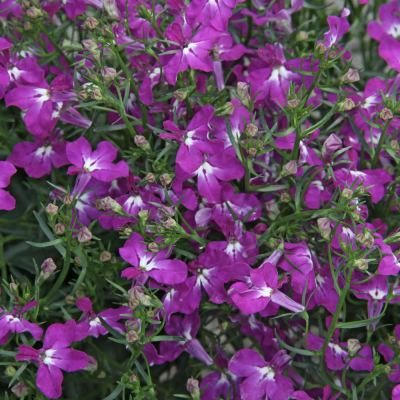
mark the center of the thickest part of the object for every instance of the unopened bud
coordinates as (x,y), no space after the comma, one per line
(242,90)
(367,240)
(91,366)
(59,229)
(386,114)
(193,388)
(346,105)
(290,168)
(227,109)
(272,209)
(132,336)
(84,235)
(361,264)
(321,48)
(80,294)
(350,76)
(25,5)
(34,12)
(52,209)
(133,303)
(143,214)
(105,256)
(169,223)
(48,266)
(353,345)
(108,74)
(394,144)
(89,45)
(293,103)
(251,130)
(142,142)
(324,226)
(82,95)
(180,95)
(165,179)
(301,36)
(92,23)
(347,193)
(150,178)
(68,200)
(131,325)
(13,287)
(285,197)
(20,389)
(128,231)
(70,300)
(109,204)
(331,145)
(96,94)
(332,55)
(27,27)
(153,246)
(252,151)
(110,7)
(387,369)
(10,371)
(150,313)
(105,29)
(392,340)
(133,378)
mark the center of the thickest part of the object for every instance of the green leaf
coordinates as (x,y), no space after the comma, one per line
(299,186)
(293,349)
(168,339)
(111,330)
(47,244)
(360,137)
(8,353)
(271,188)
(117,287)
(359,324)
(232,139)
(113,395)
(18,373)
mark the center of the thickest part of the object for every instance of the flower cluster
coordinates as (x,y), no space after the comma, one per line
(207,189)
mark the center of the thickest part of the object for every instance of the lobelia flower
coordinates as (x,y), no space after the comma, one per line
(262,378)
(194,141)
(389,50)
(388,354)
(218,167)
(338,27)
(54,357)
(12,69)
(193,51)
(261,294)
(16,324)
(43,104)
(148,264)
(187,328)
(7,202)
(38,157)
(390,23)
(93,322)
(335,355)
(97,164)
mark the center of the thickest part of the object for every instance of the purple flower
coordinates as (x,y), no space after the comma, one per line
(261,294)
(192,52)
(148,264)
(93,322)
(187,328)
(388,354)
(16,324)
(390,22)
(7,202)
(194,141)
(338,27)
(37,158)
(262,378)
(54,357)
(389,50)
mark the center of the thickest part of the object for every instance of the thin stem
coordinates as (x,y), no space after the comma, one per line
(54,43)
(375,161)
(3,264)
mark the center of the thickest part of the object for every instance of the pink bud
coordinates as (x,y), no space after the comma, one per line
(84,235)
(52,209)
(150,178)
(290,168)
(165,179)
(386,114)
(132,336)
(92,23)
(20,389)
(48,266)
(351,76)
(142,142)
(59,229)
(108,74)
(331,145)
(105,256)
(324,226)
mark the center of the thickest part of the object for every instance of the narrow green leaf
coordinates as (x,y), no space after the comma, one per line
(18,373)
(168,339)
(111,330)
(293,349)
(47,244)
(113,395)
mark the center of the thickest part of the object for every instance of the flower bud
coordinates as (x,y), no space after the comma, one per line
(10,371)
(13,288)
(252,151)
(133,303)
(242,90)
(91,366)
(347,193)
(169,223)
(350,76)
(82,95)
(293,103)
(34,13)
(180,95)
(133,378)
(165,211)
(367,240)
(80,294)
(143,214)
(150,313)
(361,264)
(251,130)
(332,55)
(386,114)
(272,209)
(59,229)
(25,5)
(105,30)
(105,256)
(301,36)
(131,325)
(165,179)
(27,25)
(394,144)
(52,209)
(110,7)
(142,142)
(68,200)
(20,389)
(96,94)
(99,204)
(331,145)
(128,231)
(108,74)
(290,168)
(324,226)
(150,178)
(89,45)
(109,204)
(193,388)
(137,293)
(70,300)
(153,246)
(132,336)
(387,369)
(321,48)
(227,109)
(346,105)
(353,345)
(285,197)
(84,235)
(92,23)
(215,52)
(392,340)
(48,266)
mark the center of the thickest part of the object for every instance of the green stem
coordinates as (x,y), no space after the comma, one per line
(3,265)
(375,161)
(63,274)
(313,84)
(54,43)
(296,146)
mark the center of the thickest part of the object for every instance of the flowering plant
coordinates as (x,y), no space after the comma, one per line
(200,199)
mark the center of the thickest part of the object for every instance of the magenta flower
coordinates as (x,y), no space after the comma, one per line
(192,52)
(148,264)
(261,294)
(262,378)
(93,322)
(7,202)
(390,22)
(16,324)
(338,27)
(54,357)
(388,355)
(38,157)
(389,50)
(187,328)
(194,141)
